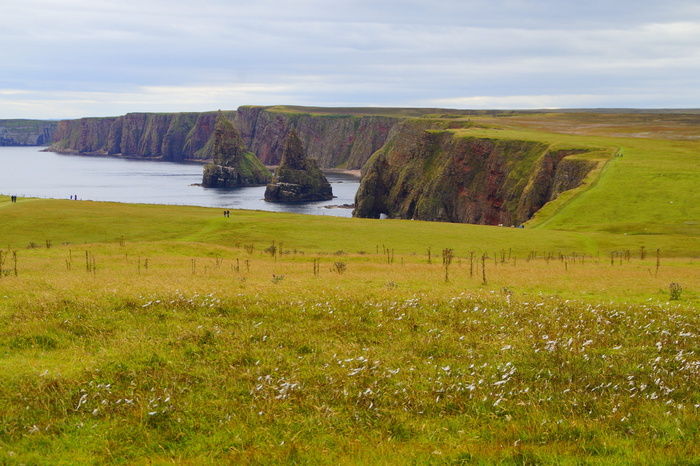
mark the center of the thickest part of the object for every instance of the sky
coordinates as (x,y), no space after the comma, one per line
(63,59)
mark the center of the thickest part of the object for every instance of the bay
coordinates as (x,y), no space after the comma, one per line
(29,172)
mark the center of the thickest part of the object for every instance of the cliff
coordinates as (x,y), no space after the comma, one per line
(334,141)
(424,168)
(427,172)
(298,178)
(233,166)
(27,132)
(167,136)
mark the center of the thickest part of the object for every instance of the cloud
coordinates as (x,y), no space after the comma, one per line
(76,104)
(106,58)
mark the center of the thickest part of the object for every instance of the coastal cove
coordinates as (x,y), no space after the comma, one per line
(29,172)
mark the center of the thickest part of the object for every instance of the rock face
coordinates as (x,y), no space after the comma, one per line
(27,132)
(297,179)
(429,173)
(334,141)
(167,136)
(233,166)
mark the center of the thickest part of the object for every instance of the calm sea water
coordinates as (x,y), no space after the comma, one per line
(28,172)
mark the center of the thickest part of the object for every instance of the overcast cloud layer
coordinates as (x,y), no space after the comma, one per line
(75,58)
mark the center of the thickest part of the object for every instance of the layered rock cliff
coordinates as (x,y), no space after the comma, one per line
(233,166)
(27,132)
(426,172)
(167,136)
(334,141)
(298,178)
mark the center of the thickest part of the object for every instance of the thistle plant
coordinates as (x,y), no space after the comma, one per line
(340,267)
(675,290)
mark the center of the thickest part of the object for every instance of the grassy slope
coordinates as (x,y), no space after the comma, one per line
(651,189)
(64,221)
(182,346)
(195,353)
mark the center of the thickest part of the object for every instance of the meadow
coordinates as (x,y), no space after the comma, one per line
(135,334)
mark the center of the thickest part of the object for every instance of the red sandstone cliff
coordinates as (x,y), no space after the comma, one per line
(425,172)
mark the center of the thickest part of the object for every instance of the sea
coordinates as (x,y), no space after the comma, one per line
(31,172)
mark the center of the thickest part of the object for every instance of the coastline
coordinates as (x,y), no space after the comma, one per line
(352,172)
(344,171)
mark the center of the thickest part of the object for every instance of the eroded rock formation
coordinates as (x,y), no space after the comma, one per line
(425,173)
(297,178)
(233,166)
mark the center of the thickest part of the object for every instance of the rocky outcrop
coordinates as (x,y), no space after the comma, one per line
(334,141)
(233,166)
(425,172)
(27,132)
(297,178)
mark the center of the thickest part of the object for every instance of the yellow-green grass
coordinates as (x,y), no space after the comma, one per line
(164,334)
(172,351)
(188,341)
(61,221)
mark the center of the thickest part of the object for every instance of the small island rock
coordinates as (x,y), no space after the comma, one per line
(233,166)
(298,178)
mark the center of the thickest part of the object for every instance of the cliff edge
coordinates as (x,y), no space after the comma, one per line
(428,172)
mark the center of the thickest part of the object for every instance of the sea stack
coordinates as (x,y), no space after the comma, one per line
(298,178)
(233,165)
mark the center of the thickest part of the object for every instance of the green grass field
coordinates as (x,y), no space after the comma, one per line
(136,334)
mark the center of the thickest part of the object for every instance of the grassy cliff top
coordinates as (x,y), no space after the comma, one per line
(372,111)
(412,112)
(648,184)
